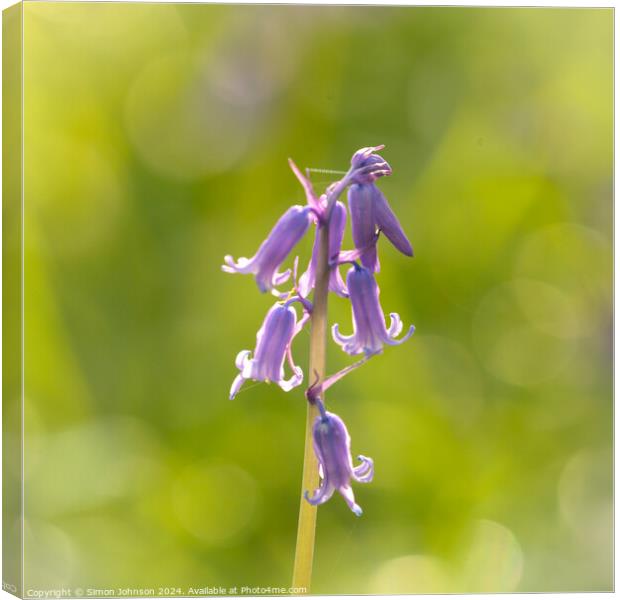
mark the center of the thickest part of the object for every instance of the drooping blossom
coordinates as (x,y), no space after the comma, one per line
(366,166)
(370,212)
(264,265)
(369,328)
(337,224)
(273,345)
(332,447)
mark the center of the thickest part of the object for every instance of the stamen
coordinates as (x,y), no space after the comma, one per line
(284,298)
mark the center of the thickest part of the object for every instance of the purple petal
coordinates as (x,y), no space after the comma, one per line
(280,278)
(242,359)
(311,197)
(289,229)
(307,279)
(272,342)
(364,472)
(367,313)
(243,265)
(347,494)
(273,345)
(366,166)
(396,325)
(296,379)
(337,225)
(363,154)
(340,339)
(332,444)
(363,223)
(369,330)
(236,386)
(388,223)
(322,495)
(394,342)
(336,284)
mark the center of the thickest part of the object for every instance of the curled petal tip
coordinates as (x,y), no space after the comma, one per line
(396,342)
(314,500)
(364,472)
(296,379)
(357,510)
(229,265)
(236,386)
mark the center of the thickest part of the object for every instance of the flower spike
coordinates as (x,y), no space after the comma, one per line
(264,265)
(332,446)
(369,329)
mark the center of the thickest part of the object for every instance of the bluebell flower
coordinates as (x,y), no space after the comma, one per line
(366,166)
(273,345)
(369,329)
(332,446)
(337,224)
(264,265)
(370,210)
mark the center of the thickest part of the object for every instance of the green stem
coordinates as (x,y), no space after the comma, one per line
(306,525)
(304,549)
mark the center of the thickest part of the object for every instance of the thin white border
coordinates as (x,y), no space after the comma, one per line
(454,3)
(577,4)
(23,320)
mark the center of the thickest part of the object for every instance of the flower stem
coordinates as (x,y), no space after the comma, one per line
(304,549)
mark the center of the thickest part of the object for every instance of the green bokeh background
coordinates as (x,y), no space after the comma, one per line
(156,141)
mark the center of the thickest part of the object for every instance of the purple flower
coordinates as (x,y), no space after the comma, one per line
(337,224)
(366,166)
(369,330)
(289,229)
(370,211)
(332,446)
(273,345)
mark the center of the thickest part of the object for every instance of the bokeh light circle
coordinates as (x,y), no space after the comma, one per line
(215,503)
(178,126)
(519,331)
(410,574)
(494,560)
(585,497)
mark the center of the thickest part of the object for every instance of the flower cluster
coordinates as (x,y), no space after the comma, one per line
(371,216)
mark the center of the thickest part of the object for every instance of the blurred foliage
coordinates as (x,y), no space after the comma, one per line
(156,140)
